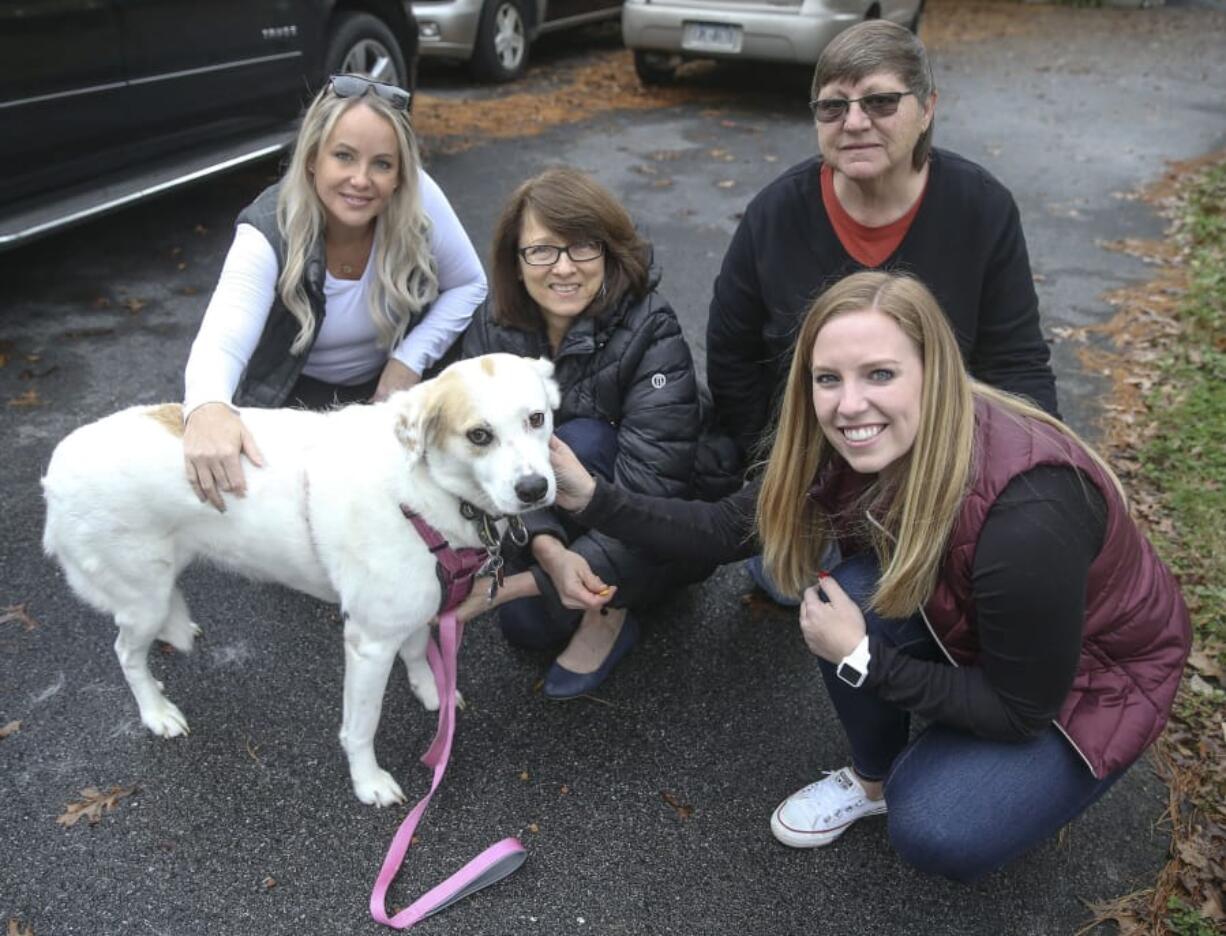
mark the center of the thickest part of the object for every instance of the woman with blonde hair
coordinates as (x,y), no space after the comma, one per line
(347,280)
(991,582)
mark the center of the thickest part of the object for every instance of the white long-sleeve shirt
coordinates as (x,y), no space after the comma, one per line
(346,351)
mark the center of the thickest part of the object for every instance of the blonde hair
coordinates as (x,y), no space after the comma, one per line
(923,500)
(406,275)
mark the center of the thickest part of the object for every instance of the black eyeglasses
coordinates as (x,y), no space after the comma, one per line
(347,86)
(548,254)
(881,104)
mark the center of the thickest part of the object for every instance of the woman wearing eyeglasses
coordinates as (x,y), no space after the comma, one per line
(877,196)
(572,281)
(994,585)
(346,281)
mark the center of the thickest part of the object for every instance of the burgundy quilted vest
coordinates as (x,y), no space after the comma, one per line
(1136,634)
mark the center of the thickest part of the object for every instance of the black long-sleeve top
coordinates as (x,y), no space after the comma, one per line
(965,244)
(1029,578)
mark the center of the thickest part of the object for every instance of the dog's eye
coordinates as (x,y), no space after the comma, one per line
(480,436)
(536,420)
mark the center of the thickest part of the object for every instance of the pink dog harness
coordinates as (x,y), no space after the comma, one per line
(457,569)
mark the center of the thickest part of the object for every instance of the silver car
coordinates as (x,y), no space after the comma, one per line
(664,33)
(493,36)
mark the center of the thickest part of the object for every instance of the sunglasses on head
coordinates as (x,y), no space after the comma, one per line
(881,104)
(347,86)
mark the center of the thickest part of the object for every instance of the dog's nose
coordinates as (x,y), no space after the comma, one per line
(532,488)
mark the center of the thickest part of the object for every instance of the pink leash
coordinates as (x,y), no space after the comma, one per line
(493,864)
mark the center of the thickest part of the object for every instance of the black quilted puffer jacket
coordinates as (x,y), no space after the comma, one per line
(632,368)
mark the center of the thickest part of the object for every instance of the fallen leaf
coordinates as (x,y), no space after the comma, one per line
(1208,666)
(523,775)
(134,305)
(1196,684)
(17,928)
(269,883)
(19,614)
(725,183)
(27,399)
(533,828)
(683,810)
(10,729)
(93,804)
(565,789)
(1191,854)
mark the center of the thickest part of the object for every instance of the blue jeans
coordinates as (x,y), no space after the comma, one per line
(960,806)
(527,622)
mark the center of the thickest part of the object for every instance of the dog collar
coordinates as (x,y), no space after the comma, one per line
(488,532)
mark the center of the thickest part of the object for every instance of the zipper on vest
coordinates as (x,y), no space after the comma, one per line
(937,640)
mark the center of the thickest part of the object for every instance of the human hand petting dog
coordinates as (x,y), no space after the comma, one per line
(833,627)
(575,484)
(213,441)
(578,587)
(395,376)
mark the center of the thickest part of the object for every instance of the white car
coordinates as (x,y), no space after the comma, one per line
(664,33)
(493,36)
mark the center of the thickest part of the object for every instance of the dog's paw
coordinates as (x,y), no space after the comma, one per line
(181,635)
(165,720)
(378,789)
(426,692)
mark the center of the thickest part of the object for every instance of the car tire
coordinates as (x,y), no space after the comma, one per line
(501,50)
(364,45)
(655,68)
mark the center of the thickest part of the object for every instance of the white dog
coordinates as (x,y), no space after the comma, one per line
(324,516)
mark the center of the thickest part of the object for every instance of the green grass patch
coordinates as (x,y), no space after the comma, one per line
(1187,460)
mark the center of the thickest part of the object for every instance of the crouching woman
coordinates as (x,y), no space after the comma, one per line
(991,582)
(573,282)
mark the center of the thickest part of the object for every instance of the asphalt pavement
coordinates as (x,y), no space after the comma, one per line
(644,811)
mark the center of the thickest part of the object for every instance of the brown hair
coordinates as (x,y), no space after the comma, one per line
(880,46)
(924,500)
(575,207)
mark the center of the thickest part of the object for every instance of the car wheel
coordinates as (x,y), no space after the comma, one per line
(362,44)
(501,49)
(655,68)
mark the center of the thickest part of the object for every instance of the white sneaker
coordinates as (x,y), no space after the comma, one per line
(819,813)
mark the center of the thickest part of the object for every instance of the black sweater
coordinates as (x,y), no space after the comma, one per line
(1029,587)
(965,244)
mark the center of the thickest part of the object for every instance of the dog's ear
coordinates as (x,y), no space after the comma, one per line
(544,367)
(413,420)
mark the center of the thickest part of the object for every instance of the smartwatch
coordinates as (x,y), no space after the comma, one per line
(853,668)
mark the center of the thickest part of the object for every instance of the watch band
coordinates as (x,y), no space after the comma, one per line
(853,668)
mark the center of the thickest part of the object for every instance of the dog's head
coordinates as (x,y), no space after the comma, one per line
(482,427)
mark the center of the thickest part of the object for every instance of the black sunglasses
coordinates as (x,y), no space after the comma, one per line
(347,86)
(881,104)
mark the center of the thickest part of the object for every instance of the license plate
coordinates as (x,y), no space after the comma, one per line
(711,37)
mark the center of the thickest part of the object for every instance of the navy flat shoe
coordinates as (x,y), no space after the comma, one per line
(561,683)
